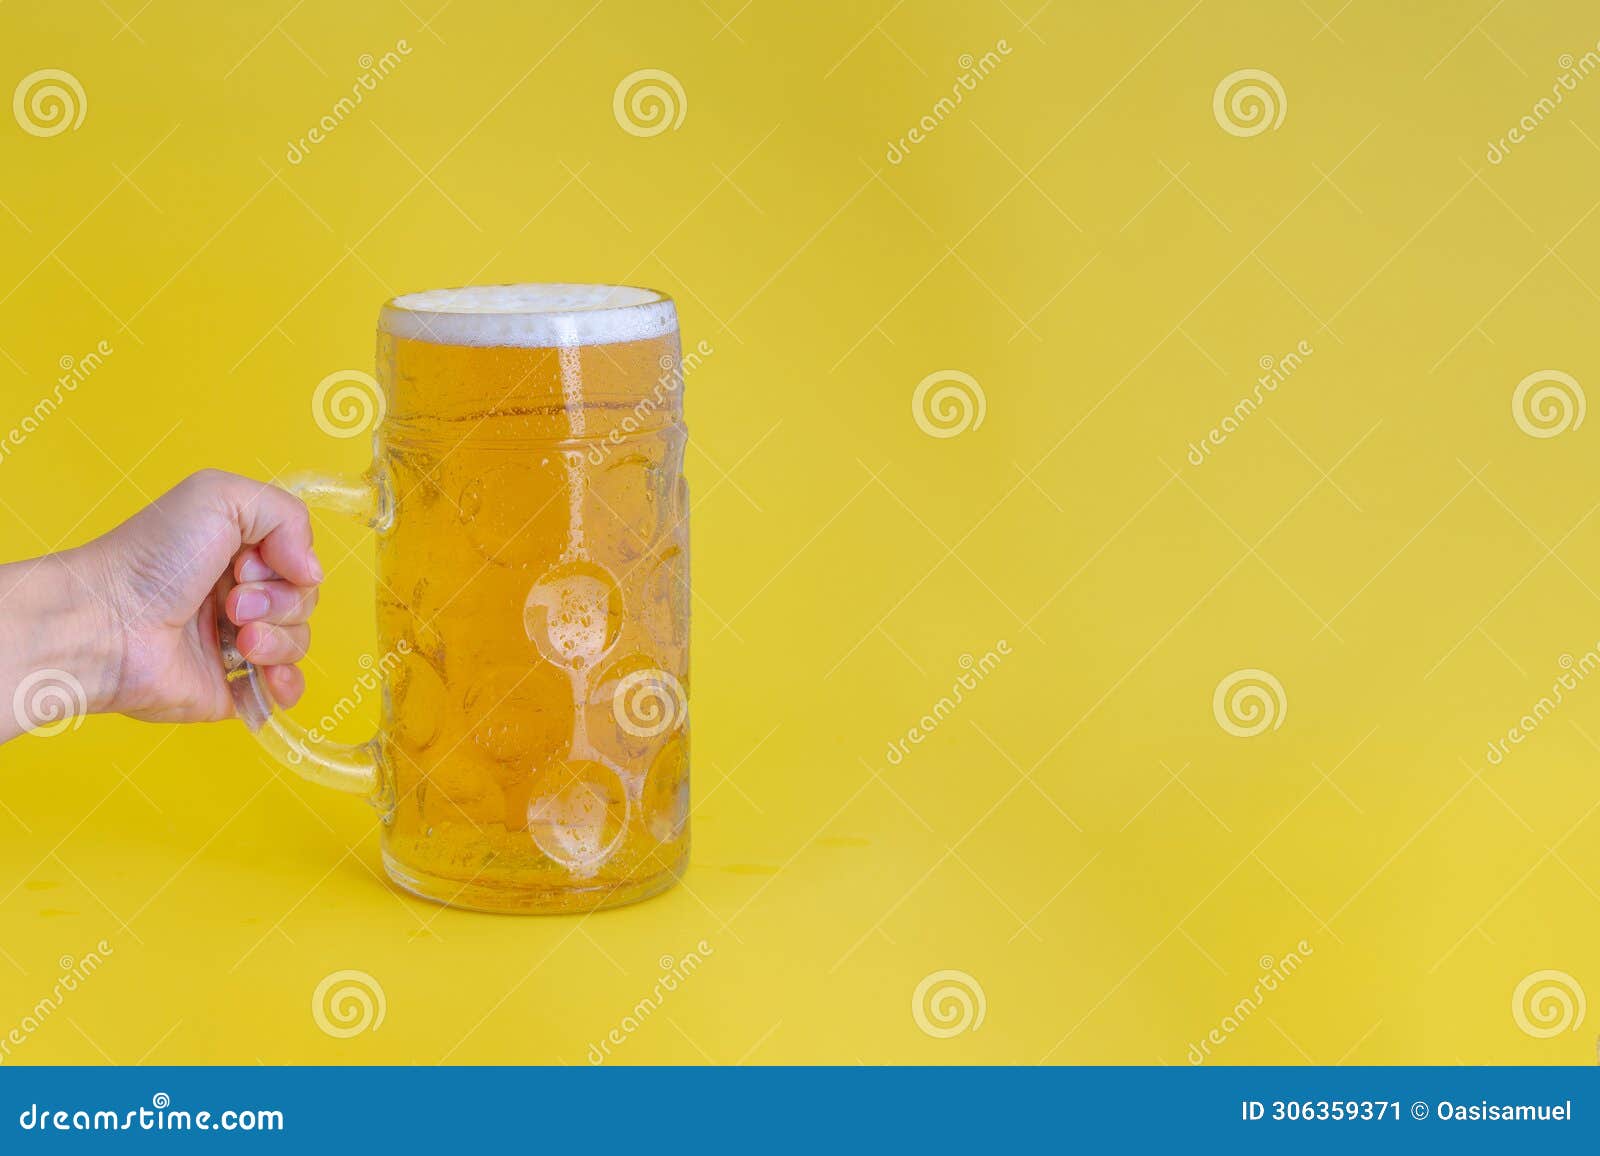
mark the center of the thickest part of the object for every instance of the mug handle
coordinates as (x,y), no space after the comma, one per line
(342,766)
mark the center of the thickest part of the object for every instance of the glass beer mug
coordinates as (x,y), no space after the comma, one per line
(528,497)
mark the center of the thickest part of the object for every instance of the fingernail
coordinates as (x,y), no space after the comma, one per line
(252,604)
(314,565)
(255,570)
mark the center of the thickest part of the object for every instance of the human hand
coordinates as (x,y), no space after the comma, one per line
(167,566)
(132,615)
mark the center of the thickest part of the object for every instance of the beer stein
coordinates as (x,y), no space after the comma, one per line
(531,515)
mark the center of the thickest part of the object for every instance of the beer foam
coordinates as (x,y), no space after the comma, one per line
(531,316)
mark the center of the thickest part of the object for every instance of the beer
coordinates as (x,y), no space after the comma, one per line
(533,580)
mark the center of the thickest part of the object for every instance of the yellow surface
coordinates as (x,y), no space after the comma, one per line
(1082,237)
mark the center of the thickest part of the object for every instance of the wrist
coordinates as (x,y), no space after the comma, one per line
(96,620)
(60,621)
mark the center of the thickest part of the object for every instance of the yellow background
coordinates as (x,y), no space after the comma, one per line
(1083,238)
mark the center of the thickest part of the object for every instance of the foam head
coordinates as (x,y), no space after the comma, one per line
(531,316)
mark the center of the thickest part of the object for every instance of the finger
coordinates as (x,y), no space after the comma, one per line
(273,520)
(286,683)
(248,567)
(267,645)
(281,603)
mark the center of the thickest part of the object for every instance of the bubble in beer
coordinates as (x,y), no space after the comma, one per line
(574,614)
(578,812)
